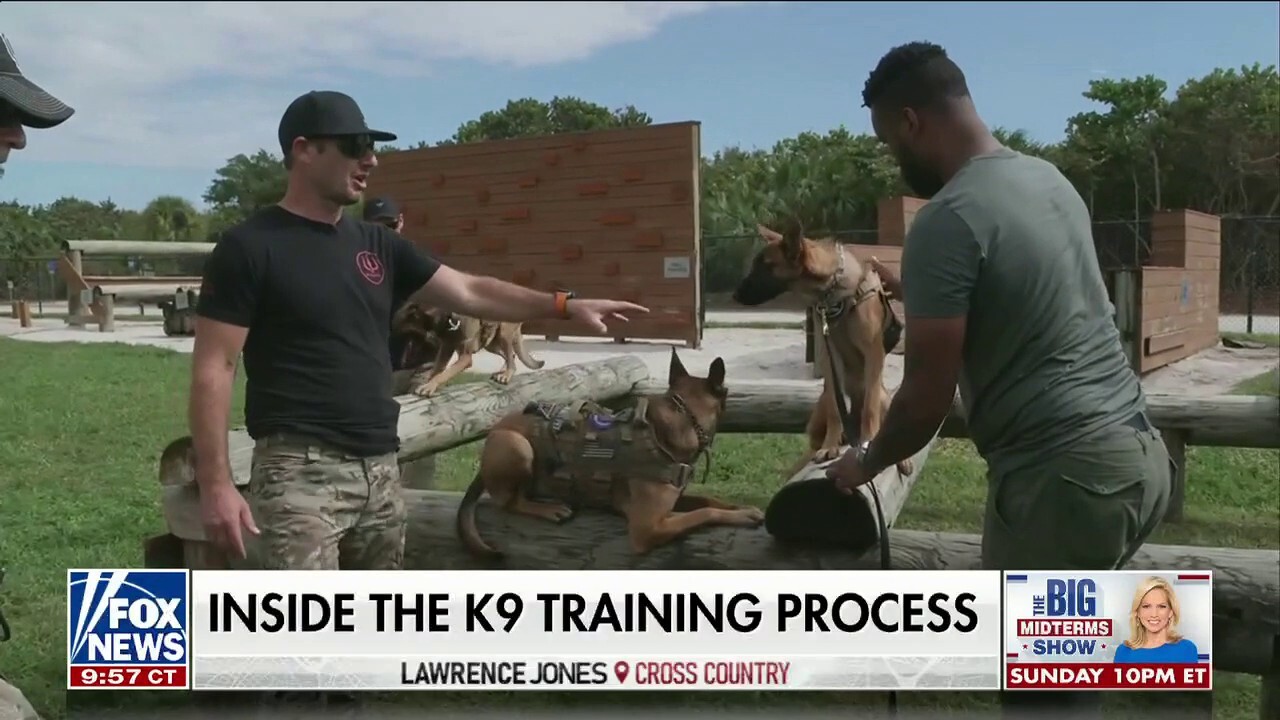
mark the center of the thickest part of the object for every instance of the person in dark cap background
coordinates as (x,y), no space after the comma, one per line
(384,211)
(306,292)
(23,104)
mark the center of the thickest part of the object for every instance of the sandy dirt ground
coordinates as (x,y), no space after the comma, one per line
(750,355)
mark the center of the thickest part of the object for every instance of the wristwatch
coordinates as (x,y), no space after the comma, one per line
(860,454)
(562,298)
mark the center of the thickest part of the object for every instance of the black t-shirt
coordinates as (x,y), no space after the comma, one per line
(317,299)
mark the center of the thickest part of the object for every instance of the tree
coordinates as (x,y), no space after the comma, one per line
(1125,140)
(246,183)
(171,218)
(528,117)
(1223,141)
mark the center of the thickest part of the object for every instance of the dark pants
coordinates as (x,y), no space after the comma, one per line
(1087,507)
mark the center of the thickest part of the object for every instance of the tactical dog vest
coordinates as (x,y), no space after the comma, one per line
(582,449)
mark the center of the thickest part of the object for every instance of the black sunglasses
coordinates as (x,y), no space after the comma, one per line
(351,146)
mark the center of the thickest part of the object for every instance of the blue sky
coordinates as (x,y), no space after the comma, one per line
(160,117)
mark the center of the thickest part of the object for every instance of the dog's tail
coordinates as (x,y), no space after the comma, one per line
(525,356)
(466,523)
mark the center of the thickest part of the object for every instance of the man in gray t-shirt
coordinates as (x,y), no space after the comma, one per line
(1004,297)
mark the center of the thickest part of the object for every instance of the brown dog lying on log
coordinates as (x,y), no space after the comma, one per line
(635,462)
(451,334)
(853,307)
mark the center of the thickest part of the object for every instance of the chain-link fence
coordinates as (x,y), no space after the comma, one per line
(36,279)
(1249,297)
(1249,289)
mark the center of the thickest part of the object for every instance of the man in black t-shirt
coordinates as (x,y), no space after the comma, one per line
(306,293)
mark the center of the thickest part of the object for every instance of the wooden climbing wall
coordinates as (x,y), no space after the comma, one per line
(611,213)
(1178,288)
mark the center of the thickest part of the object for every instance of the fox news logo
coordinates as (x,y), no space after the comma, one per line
(127,629)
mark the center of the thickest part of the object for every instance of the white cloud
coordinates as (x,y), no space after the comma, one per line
(131,70)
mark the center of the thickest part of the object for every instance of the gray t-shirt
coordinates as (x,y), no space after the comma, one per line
(1009,243)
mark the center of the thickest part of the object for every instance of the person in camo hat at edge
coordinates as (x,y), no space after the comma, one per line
(23,104)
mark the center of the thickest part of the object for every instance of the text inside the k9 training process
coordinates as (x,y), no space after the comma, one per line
(570,612)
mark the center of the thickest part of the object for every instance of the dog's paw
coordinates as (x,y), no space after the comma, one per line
(561,514)
(905,467)
(749,517)
(822,455)
(502,378)
(426,390)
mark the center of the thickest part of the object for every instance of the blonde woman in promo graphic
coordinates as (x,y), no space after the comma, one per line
(1153,627)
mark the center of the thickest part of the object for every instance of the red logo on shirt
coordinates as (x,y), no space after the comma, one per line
(370,267)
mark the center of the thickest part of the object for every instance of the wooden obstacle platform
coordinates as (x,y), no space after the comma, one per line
(1246,598)
(94,298)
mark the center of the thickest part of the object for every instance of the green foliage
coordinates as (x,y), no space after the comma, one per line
(1212,146)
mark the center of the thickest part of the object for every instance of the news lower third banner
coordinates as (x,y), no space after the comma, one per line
(536,630)
(1128,630)
(638,630)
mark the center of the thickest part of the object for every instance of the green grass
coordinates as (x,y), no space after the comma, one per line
(86,422)
(1268,339)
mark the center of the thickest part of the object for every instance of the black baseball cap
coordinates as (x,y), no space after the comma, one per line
(381,209)
(325,113)
(35,107)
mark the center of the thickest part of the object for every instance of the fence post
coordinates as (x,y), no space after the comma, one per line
(75,308)
(1248,292)
(1128,321)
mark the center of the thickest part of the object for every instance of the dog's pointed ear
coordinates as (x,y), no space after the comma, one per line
(769,236)
(794,245)
(715,374)
(677,370)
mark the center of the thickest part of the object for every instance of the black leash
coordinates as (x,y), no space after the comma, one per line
(4,624)
(852,430)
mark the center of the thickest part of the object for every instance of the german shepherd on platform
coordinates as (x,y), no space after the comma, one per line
(424,326)
(546,459)
(853,305)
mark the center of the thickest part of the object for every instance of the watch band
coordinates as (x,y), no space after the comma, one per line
(562,299)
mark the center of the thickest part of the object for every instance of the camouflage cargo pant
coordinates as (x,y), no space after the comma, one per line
(322,509)
(13,704)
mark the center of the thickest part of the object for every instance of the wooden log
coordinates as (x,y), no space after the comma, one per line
(463,412)
(142,292)
(107,318)
(1269,696)
(1247,421)
(136,247)
(135,279)
(1246,593)
(808,508)
(70,266)
(1175,441)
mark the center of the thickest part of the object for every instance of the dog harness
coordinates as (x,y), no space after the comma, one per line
(831,307)
(581,450)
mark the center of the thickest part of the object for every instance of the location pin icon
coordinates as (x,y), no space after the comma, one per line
(621,669)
